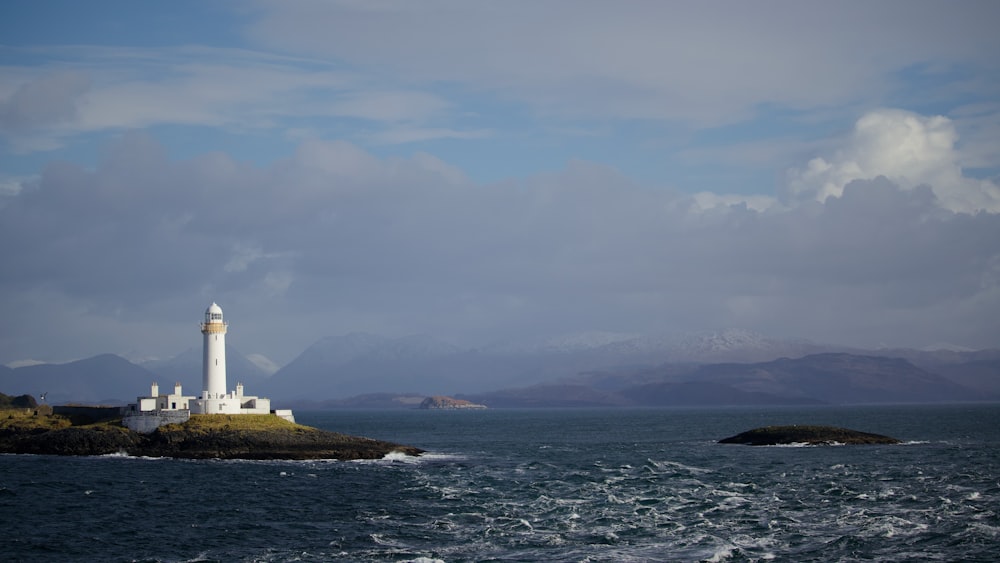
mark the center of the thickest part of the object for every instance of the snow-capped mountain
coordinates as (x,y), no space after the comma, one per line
(355,363)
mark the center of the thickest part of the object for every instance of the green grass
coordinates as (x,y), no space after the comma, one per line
(25,419)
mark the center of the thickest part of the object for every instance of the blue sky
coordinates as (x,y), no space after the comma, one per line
(497,170)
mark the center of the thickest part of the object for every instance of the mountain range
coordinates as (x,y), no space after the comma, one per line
(732,367)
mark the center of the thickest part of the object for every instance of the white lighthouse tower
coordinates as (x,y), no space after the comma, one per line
(213,354)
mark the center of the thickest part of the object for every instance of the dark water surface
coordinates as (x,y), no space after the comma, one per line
(534,485)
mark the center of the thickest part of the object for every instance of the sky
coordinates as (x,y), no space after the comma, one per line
(496,171)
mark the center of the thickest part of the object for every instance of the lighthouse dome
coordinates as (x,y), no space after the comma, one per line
(213,313)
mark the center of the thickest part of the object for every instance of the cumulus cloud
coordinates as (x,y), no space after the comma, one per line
(334,239)
(911,150)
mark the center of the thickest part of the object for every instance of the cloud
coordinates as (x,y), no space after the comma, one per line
(335,239)
(35,108)
(46,100)
(417,134)
(119,88)
(698,63)
(911,150)
(11,186)
(708,200)
(389,106)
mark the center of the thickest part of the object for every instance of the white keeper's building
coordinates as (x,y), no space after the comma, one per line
(155,410)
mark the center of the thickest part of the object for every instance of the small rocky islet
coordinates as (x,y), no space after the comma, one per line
(439,402)
(806,434)
(255,437)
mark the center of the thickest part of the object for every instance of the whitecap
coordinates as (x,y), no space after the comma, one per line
(791,445)
(723,553)
(402,458)
(397,456)
(668,465)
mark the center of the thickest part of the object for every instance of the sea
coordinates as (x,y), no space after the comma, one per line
(537,485)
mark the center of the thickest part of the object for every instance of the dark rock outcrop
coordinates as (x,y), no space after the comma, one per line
(300,442)
(180,441)
(814,435)
(73,440)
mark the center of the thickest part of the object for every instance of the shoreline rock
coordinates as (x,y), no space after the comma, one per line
(812,435)
(286,441)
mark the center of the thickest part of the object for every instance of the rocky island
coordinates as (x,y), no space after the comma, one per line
(202,437)
(812,435)
(439,402)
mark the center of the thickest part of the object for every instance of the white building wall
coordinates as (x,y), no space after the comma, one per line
(285,414)
(226,405)
(147,403)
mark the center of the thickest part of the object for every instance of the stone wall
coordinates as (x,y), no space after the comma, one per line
(82,414)
(146,422)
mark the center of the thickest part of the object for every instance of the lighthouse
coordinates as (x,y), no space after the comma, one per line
(149,412)
(213,372)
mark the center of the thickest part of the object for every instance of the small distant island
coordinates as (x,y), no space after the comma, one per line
(812,435)
(446,403)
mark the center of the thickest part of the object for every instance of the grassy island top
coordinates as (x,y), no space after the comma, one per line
(213,422)
(25,419)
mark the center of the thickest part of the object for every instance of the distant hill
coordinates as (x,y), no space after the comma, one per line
(105,379)
(661,394)
(549,395)
(360,363)
(836,378)
(754,370)
(731,367)
(982,375)
(839,378)
(367,401)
